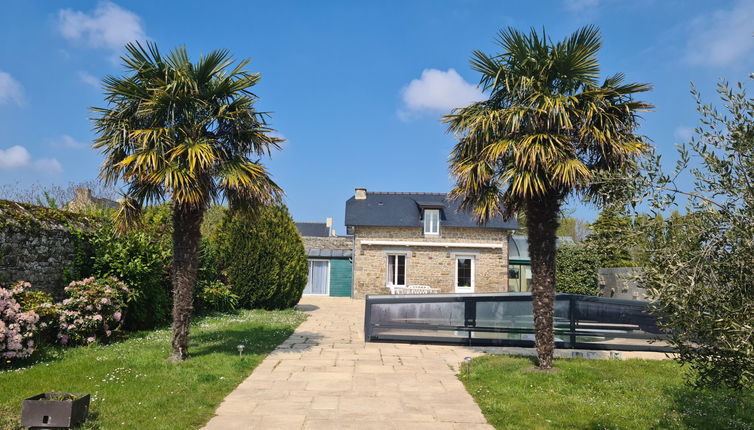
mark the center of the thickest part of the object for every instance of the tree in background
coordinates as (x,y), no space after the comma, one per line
(612,238)
(547,129)
(568,226)
(573,227)
(262,255)
(698,268)
(184,132)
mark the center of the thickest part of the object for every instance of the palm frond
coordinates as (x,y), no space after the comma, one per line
(548,125)
(175,128)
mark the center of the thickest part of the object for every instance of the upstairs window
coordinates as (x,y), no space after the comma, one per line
(431,221)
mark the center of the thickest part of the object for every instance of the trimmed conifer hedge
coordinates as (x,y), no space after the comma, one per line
(263,257)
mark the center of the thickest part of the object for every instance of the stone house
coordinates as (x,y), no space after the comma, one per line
(329,259)
(403,239)
(84,199)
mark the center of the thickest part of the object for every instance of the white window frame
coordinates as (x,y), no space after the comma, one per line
(395,275)
(471,257)
(309,260)
(431,222)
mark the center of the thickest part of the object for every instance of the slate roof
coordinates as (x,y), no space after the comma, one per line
(316,229)
(405,210)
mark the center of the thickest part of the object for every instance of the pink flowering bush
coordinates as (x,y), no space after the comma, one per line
(16,327)
(93,310)
(42,304)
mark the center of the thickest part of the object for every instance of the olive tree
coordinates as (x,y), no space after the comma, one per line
(699,267)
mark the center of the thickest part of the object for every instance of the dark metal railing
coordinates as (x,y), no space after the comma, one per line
(506,319)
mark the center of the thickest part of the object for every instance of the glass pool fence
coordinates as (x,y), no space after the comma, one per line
(506,319)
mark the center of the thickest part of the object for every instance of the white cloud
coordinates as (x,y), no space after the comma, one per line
(580,5)
(11,90)
(722,37)
(108,26)
(67,141)
(89,79)
(683,133)
(15,156)
(18,157)
(49,166)
(437,91)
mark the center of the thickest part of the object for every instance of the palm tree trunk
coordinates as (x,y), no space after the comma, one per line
(542,225)
(186,235)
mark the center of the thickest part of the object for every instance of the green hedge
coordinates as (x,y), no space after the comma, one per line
(576,270)
(140,258)
(263,257)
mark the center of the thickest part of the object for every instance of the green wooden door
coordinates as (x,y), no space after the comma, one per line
(341,276)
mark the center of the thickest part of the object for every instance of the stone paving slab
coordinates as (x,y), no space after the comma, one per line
(325,376)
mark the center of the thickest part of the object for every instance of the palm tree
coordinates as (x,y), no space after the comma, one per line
(184,132)
(548,129)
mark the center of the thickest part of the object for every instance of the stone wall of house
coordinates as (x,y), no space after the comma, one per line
(331,242)
(429,265)
(36,245)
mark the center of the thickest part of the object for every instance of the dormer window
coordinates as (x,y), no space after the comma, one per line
(431,222)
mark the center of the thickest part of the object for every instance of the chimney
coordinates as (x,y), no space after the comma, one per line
(360,194)
(330,230)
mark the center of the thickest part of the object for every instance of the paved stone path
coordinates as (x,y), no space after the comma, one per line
(326,377)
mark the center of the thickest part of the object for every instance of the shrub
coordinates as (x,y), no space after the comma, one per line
(93,310)
(16,327)
(212,294)
(212,222)
(576,270)
(215,297)
(42,304)
(142,261)
(209,263)
(140,258)
(264,258)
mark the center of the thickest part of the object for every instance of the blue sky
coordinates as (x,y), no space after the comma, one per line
(357,88)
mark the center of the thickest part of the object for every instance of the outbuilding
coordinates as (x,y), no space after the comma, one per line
(329,258)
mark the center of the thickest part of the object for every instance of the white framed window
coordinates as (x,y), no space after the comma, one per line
(465,273)
(396,270)
(431,221)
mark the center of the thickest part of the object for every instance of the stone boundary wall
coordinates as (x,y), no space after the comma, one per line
(36,244)
(620,283)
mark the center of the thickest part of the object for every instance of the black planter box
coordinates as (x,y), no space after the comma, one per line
(38,411)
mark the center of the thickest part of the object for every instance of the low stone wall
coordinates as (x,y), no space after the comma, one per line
(36,244)
(620,283)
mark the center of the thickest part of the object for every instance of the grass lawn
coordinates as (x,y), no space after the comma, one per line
(132,385)
(600,394)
